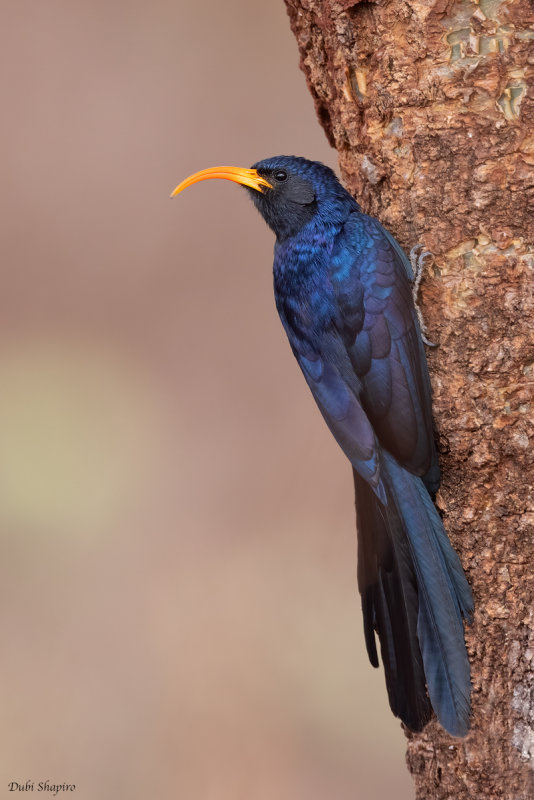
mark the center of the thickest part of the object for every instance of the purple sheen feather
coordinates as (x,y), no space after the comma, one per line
(380,338)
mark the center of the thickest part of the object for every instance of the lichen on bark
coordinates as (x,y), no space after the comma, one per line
(431,109)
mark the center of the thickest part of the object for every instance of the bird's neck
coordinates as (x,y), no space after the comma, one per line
(299,257)
(301,275)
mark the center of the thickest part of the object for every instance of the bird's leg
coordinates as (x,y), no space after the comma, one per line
(418,260)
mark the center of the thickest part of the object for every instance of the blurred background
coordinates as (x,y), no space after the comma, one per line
(179,608)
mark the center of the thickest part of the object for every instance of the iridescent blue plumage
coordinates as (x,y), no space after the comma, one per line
(343,292)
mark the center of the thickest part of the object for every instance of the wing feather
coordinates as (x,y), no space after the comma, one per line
(386,352)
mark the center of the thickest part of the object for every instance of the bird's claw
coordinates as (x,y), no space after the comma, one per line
(418,262)
(423,337)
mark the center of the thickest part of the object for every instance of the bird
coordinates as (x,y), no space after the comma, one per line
(343,291)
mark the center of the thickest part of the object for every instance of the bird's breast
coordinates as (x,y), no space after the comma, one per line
(306,307)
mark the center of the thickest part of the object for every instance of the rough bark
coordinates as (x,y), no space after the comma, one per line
(429,107)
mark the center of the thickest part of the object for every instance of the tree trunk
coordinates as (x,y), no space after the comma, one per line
(428,106)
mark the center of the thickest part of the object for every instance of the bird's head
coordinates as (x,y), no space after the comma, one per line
(289,192)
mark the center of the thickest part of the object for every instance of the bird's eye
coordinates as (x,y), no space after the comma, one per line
(280,175)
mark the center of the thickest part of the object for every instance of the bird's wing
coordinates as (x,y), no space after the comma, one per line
(345,417)
(322,365)
(378,324)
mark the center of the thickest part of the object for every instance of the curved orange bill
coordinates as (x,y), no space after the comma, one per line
(247,177)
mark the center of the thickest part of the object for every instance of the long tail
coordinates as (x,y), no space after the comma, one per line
(414,595)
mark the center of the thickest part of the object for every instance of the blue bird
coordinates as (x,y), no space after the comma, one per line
(343,290)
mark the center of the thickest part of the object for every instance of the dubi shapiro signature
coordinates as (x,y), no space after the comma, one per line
(42,786)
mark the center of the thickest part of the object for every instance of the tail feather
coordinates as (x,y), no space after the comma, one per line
(389,605)
(415,597)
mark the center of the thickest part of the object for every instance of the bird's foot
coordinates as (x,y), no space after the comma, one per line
(418,261)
